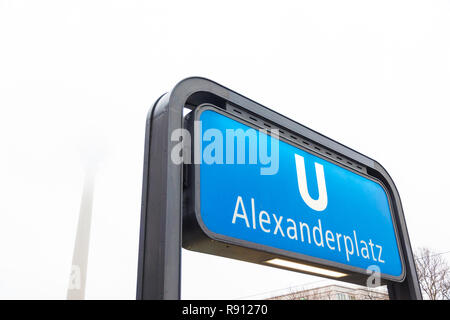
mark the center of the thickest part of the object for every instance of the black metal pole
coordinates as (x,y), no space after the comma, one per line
(159,261)
(160,240)
(409,289)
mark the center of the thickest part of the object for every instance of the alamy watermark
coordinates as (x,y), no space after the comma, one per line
(236,146)
(374,278)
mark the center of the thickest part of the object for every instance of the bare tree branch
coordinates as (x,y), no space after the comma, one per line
(433,273)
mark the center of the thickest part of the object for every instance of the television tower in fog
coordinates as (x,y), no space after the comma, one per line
(93,151)
(78,274)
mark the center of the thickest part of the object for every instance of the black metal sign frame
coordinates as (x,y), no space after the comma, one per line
(164,191)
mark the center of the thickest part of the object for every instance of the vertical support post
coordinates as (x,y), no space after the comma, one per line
(409,289)
(159,262)
(160,239)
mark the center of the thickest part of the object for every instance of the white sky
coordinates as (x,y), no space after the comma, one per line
(77,76)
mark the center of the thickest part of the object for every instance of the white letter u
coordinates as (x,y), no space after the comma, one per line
(321,203)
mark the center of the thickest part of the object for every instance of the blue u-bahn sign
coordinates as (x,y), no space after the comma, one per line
(259,189)
(236,179)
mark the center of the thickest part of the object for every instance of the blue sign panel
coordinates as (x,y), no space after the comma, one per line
(280,196)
